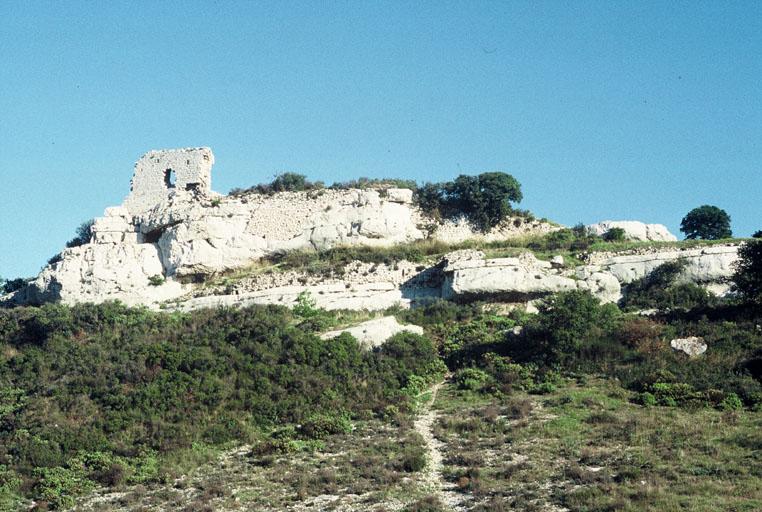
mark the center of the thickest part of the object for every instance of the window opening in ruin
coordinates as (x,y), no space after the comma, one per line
(169,178)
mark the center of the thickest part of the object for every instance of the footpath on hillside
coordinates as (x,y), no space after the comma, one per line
(433,477)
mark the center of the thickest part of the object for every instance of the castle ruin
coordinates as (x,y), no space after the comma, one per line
(159,174)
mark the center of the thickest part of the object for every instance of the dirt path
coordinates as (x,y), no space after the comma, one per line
(432,477)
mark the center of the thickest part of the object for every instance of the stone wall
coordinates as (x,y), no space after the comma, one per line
(161,173)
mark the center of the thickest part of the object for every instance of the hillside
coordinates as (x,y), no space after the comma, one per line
(376,345)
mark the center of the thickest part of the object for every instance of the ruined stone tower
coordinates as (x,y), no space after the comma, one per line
(159,174)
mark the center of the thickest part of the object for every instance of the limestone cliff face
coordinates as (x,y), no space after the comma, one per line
(173,226)
(173,229)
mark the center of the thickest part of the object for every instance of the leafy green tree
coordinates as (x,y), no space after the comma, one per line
(484,199)
(83,234)
(757,234)
(706,222)
(570,319)
(748,272)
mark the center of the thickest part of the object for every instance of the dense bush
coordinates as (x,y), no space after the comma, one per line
(83,234)
(614,235)
(577,238)
(757,234)
(11,285)
(284,182)
(661,289)
(706,222)
(89,393)
(568,321)
(747,277)
(485,200)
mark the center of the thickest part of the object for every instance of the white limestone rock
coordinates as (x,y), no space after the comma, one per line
(704,265)
(634,230)
(399,195)
(694,346)
(101,272)
(374,333)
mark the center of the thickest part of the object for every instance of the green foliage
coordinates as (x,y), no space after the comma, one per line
(614,235)
(568,321)
(320,425)
(472,379)
(706,222)
(60,486)
(11,285)
(757,234)
(747,277)
(375,183)
(156,280)
(284,182)
(334,260)
(660,289)
(83,234)
(104,393)
(484,199)
(732,402)
(576,239)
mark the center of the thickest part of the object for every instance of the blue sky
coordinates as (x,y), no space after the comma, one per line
(602,110)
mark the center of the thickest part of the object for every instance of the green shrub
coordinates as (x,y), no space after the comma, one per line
(472,379)
(731,403)
(11,285)
(660,289)
(568,321)
(614,235)
(648,399)
(60,486)
(284,182)
(412,459)
(320,426)
(83,234)
(156,280)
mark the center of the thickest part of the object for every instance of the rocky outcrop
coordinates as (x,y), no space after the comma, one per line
(374,333)
(693,346)
(710,266)
(173,231)
(173,226)
(131,273)
(634,230)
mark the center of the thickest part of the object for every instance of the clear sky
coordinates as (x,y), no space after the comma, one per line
(602,110)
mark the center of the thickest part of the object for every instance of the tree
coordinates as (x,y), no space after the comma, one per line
(706,222)
(83,234)
(484,199)
(758,234)
(748,271)
(570,319)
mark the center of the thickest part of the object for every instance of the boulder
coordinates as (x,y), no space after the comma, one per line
(694,346)
(374,333)
(634,230)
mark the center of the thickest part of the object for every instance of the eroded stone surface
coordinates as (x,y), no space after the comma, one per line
(374,333)
(694,346)
(181,230)
(634,230)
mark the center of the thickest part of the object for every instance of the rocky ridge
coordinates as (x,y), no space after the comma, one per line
(168,236)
